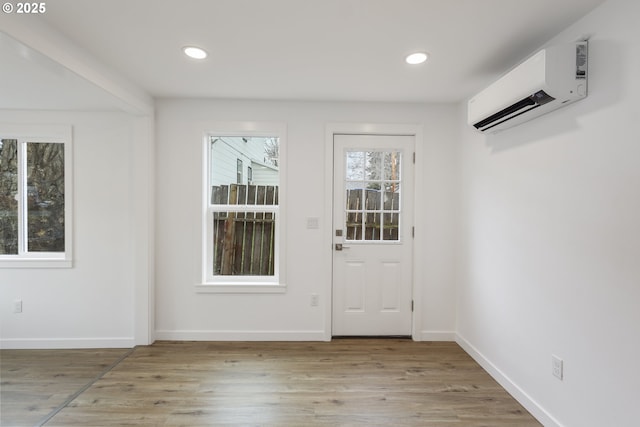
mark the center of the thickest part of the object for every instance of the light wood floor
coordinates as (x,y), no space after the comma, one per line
(391,382)
(33,383)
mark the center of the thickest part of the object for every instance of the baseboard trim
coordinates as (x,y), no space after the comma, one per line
(65,343)
(437,336)
(196,335)
(512,388)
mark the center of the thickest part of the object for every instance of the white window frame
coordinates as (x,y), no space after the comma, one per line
(243,284)
(41,134)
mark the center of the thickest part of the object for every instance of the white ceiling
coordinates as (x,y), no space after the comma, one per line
(347,50)
(31,80)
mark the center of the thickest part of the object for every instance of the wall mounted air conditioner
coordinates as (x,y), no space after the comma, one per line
(550,79)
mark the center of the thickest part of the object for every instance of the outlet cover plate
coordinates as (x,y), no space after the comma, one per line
(557,367)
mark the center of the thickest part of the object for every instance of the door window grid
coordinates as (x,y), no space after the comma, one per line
(372,203)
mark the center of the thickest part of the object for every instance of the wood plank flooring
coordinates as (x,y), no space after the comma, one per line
(344,382)
(33,383)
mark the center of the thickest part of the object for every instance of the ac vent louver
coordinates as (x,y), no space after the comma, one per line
(513,111)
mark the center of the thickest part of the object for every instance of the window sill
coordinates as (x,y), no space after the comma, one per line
(241,288)
(35,263)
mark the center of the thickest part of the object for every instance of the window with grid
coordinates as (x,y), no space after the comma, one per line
(372,208)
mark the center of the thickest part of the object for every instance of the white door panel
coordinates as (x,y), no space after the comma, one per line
(373,244)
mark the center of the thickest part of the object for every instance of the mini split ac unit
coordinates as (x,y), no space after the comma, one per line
(552,78)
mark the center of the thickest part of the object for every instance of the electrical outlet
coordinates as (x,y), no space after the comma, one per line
(17,306)
(314,300)
(557,367)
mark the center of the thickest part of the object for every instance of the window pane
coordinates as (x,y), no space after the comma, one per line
(45,197)
(8,191)
(392,196)
(372,198)
(354,199)
(245,162)
(392,165)
(243,243)
(373,169)
(390,226)
(372,226)
(355,166)
(354,226)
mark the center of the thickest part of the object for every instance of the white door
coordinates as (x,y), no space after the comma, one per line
(372,235)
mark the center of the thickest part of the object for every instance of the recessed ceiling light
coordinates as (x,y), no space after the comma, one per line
(416,58)
(194,52)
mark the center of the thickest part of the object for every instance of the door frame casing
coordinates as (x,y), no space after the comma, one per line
(413,130)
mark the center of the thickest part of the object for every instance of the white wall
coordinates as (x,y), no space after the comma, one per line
(181,313)
(550,241)
(91,304)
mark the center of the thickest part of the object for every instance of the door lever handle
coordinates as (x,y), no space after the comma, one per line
(340,246)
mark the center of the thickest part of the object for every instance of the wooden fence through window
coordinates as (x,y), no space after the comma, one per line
(244,242)
(372,211)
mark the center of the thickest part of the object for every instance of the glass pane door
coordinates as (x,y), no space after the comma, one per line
(372,185)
